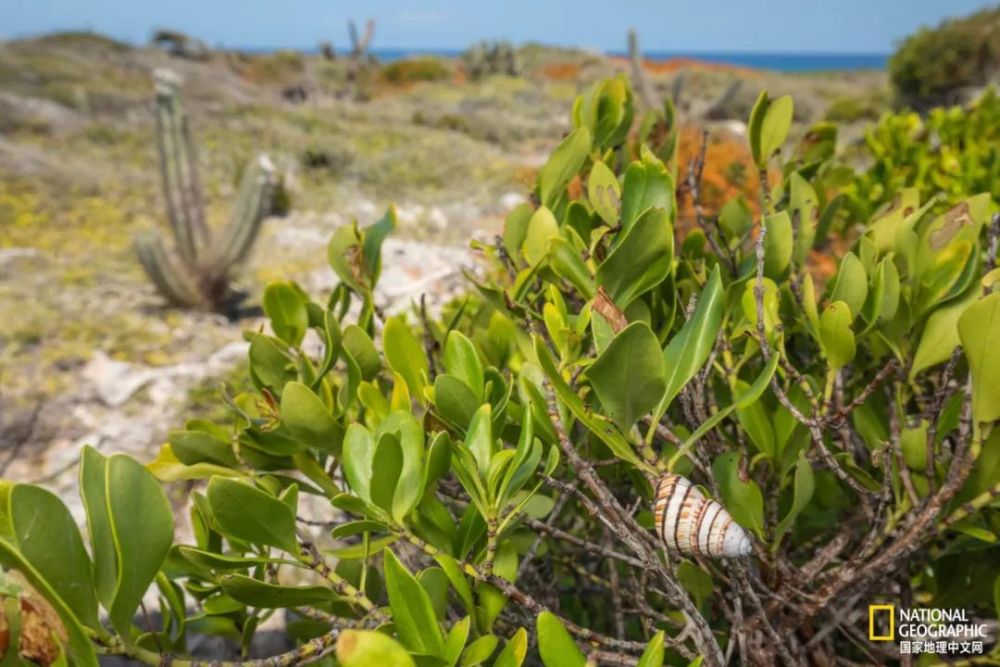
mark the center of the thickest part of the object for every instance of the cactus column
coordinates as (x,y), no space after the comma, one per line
(196,271)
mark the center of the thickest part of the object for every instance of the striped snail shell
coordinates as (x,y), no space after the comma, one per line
(692,524)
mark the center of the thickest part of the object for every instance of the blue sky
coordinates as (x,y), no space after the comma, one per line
(829,26)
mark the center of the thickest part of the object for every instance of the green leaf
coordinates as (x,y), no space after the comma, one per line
(405,354)
(309,420)
(81,648)
(93,491)
(251,515)
(197,446)
(359,450)
(940,335)
(542,228)
(567,263)
(774,127)
(360,347)
(755,125)
(142,527)
(802,492)
(480,650)
(285,306)
(743,500)
(836,336)
(455,400)
(455,641)
(640,261)
(516,649)
(462,361)
(479,438)
(647,186)
(629,376)
(386,466)
(804,208)
(653,655)
(368,648)
(345,256)
(411,476)
(690,348)
(563,165)
(600,426)
(555,643)
(412,610)
(256,593)
(374,236)
(457,579)
(215,561)
(47,536)
(979,330)
(778,244)
(851,285)
(604,193)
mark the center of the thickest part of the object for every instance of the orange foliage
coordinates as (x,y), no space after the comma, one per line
(729,172)
(671,65)
(561,71)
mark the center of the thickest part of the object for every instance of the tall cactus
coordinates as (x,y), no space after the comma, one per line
(197,271)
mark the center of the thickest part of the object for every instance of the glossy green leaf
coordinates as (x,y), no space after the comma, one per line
(412,611)
(368,648)
(979,331)
(462,361)
(142,528)
(640,261)
(555,644)
(256,593)
(778,244)
(851,285)
(81,648)
(629,376)
(480,650)
(690,347)
(647,186)
(604,193)
(360,347)
(940,335)
(600,426)
(542,228)
(836,335)
(46,535)
(774,127)
(653,655)
(743,500)
(387,464)
(251,515)
(515,650)
(564,163)
(309,420)
(285,306)
(405,355)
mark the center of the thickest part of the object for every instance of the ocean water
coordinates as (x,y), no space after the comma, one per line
(781,62)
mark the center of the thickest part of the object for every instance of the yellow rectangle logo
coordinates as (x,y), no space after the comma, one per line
(891,636)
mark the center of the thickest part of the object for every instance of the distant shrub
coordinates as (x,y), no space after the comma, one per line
(935,66)
(853,109)
(952,153)
(413,70)
(492,58)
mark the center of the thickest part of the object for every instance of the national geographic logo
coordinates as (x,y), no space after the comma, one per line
(927,630)
(883,610)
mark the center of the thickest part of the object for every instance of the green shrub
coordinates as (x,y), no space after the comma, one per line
(853,109)
(951,154)
(414,70)
(934,65)
(491,475)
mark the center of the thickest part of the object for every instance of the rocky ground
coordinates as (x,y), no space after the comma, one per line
(88,352)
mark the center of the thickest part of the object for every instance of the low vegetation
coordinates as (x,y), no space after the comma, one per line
(488,479)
